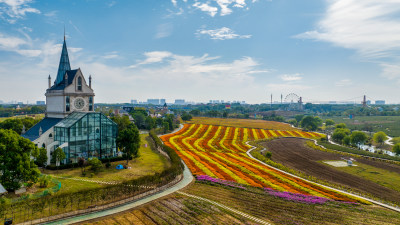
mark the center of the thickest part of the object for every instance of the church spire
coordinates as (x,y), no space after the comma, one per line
(64,63)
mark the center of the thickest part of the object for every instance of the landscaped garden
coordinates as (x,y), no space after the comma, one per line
(220,152)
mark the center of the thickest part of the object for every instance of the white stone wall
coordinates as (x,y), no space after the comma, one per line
(48,141)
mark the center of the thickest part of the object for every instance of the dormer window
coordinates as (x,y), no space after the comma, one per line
(79,83)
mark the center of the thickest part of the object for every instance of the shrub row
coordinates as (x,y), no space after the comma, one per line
(176,162)
(74,165)
(357,152)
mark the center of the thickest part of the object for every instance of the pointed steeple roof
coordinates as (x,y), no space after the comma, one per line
(64,64)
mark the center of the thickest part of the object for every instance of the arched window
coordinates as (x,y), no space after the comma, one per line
(67,104)
(79,83)
(43,145)
(50,135)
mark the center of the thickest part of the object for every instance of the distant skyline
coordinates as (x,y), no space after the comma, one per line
(333,50)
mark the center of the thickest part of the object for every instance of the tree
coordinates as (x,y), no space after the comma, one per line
(16,165)
(341,125)
(329,122)
(82,164)
(165,127)
(95,164)
(41,160)
(128,141)
(140,120)
(380,137)
(346,140)
(186,116)
(358,137)
(195,112)
(311,122)
(339,134)
(58,156)
(396,149)
(298,118)
(121,121)
(150,123)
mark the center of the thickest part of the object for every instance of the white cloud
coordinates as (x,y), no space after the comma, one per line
(391,71)
(205,7)
(343,83)
(371,28)
(225,7)
(153,57)
(174,2)
(9,43)
(291,77)
(16,9)
(202,76)
(222,34)
(368,26)
(164,30)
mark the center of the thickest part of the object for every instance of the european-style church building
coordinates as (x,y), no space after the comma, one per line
(70,121)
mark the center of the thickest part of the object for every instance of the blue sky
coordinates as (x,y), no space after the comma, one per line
(205,49)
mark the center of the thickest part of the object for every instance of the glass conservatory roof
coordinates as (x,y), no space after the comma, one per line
(71,119)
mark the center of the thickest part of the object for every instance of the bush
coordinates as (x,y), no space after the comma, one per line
(44,181)
(268,155)
(95,164)
(108,165)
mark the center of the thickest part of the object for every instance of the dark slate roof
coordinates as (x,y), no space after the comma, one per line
(46,123)
(64,64)
(71,75)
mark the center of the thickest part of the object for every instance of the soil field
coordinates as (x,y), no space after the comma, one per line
(293,153)
(174,209)
(255,202)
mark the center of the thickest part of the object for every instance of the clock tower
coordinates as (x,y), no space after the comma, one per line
(70,91)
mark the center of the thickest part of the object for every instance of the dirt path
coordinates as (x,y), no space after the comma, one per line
(293,153)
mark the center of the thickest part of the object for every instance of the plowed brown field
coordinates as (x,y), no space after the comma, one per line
(293,153)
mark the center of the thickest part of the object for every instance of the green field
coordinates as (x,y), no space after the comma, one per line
(388,124)
(148,163)
(36,116)
(380,176)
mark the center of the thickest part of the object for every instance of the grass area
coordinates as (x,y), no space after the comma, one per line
(388,124)
(280,211)
(148,163)
(36,116)
(380,176)
(244,123)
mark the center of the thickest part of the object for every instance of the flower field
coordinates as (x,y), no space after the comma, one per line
(220,152)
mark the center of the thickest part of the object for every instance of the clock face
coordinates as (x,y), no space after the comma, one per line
(79,103)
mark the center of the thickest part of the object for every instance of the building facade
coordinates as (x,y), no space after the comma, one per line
(70,121)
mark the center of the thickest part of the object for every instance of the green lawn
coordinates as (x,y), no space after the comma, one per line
(380,176)
(148,163)
(388,124)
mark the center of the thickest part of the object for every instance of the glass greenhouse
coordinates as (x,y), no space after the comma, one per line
(86,135)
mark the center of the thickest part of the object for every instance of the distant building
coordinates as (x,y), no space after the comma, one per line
(380,102)
(179,101)
(162,101)
(153,101)
(20,103)
(368,102)
(133,101)
(40,102)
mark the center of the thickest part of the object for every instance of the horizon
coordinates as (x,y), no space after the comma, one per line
(203,50)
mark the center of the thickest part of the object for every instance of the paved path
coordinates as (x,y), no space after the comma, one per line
(331,188)
(187,179)
(227,208)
